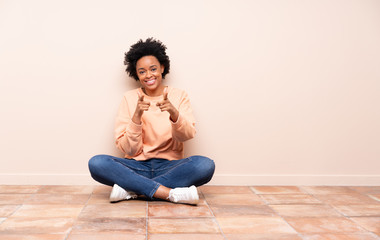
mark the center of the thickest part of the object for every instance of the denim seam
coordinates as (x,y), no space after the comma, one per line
(154,190)
(185,160)
(173,167)
(138,169)
(155,187)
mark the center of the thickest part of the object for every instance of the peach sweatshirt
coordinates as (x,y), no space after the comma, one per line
(157,136)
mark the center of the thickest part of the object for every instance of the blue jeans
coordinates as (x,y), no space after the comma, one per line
(144,177)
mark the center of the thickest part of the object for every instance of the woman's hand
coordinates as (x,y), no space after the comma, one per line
(166,105)
(140,108)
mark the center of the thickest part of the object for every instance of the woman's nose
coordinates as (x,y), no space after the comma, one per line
(148,74)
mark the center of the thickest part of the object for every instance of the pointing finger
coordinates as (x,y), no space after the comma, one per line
(141,97)
(166,93)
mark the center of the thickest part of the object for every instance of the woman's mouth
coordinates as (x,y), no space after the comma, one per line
(150,82)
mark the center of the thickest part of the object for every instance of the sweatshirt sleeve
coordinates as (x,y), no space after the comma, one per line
(128,134)
(184,128)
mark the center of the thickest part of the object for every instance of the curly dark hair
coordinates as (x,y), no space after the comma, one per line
(151,47)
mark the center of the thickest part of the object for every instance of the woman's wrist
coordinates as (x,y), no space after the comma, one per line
(136,119)
(174,116)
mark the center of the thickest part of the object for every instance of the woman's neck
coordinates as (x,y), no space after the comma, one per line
(157,92)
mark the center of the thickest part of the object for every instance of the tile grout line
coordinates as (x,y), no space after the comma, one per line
(268,205)
(217,223)
(348,218)
(298,233)
(372,197)
(365,229)
(21,204)
(76,219)
(146,220)
(342,215)
(17,208)
(326,204)
(360,228)
(252,189)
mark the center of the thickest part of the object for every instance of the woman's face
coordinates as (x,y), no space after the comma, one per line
(149,71)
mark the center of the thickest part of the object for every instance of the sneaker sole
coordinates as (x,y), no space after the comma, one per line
(195,195)
(115,199)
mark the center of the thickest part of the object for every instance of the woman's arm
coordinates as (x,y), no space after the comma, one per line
(182,120)
(127,133)
(184,128)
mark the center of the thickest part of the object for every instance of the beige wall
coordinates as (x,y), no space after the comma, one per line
(284,91)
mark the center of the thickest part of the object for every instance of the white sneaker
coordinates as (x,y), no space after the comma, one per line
(187,195)
(119,194)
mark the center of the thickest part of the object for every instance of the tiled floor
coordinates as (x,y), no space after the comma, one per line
(234,213)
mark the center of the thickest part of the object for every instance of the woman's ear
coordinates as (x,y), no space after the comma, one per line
(162,69)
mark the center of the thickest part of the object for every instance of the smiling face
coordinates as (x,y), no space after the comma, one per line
(149,71)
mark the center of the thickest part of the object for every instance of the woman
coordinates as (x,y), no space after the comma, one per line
(152,123)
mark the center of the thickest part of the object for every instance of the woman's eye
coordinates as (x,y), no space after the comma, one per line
(141,72)
(154,69)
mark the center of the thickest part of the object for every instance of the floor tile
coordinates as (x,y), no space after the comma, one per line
(226,189)
(33,236)
(289,199)
(26,189)
(202,201)
(371,224)
(346,199)
(84,212)
(14,198)
(359,210)
(241,210)
(305,211)
(179,211)
(48,211)
(103,198)
(367,189)
(99,199)
(277,190)
(108,236)
(57,199)
(7,210)
(183,236)
(323,225)
(102,189)
(119,210)
(126,225)
(66,189)
(257,225)
(327,236)
(268,236)
(36,225)
(233,199)
(328,190)
(182,225)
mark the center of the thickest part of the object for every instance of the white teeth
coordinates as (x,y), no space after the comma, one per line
(150,82)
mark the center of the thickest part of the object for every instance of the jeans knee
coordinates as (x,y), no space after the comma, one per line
(96,162)
(204,165)
(210,166)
